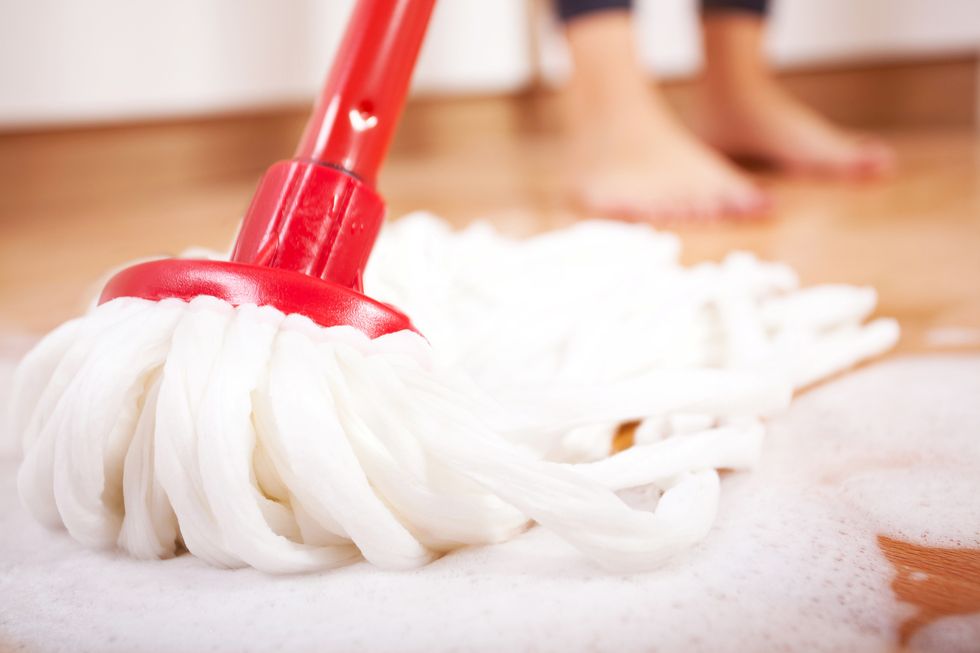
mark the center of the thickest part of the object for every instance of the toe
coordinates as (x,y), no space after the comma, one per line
(875,157)
(745,200)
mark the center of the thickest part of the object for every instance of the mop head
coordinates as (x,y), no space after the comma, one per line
(250,437)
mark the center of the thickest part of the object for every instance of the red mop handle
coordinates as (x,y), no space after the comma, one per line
(355,118)
(318,214)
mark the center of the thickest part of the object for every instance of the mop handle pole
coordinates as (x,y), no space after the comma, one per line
(355,117)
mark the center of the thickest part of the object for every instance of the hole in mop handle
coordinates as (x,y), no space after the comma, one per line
(355,117)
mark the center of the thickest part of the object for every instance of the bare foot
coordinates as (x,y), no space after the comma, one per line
(631,158)
(640,163)
(746,113)
(769,125)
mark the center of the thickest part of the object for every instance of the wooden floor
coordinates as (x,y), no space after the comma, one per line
(76,202)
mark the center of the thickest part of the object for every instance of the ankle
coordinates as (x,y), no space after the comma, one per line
(624,115)
(723,98)
(735,71)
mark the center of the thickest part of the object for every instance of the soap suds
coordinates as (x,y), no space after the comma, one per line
(13,345)
(953,337)
(792,562)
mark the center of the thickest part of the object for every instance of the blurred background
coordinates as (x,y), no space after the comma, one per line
(104,60)
(133,128)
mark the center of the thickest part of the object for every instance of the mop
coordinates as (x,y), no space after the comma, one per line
(262,411)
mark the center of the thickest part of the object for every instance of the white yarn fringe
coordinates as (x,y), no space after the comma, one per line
(255,438)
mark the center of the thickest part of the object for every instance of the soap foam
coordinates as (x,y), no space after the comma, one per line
(792,562)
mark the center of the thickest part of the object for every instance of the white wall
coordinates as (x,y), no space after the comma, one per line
(85,60)
(803,32)
(95,60)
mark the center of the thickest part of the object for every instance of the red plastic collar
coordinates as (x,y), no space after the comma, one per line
(326,303)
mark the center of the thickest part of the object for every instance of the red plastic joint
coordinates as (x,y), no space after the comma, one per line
(310,218)
(302,248)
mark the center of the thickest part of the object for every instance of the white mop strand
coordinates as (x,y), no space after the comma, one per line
(540,323)
(255,438)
